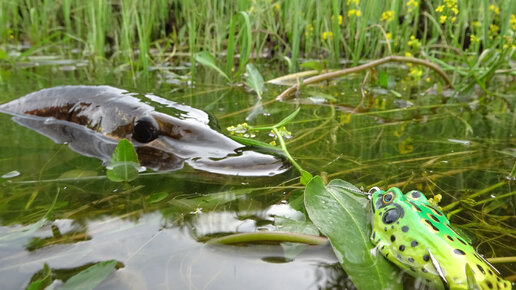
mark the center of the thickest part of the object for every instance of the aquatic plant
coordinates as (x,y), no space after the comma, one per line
(390,125)
(145,35)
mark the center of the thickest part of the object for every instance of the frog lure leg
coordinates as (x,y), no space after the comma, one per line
(418,238)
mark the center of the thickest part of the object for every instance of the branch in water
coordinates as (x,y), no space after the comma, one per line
(326,76)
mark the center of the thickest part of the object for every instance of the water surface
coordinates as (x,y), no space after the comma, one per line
(57,207)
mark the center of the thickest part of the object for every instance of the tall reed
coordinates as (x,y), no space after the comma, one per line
(125,31)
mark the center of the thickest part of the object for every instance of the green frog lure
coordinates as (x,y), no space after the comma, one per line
(418,238)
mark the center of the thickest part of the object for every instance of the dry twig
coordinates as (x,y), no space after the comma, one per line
(326,76)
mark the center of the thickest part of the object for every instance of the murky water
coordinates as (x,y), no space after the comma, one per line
(419,139)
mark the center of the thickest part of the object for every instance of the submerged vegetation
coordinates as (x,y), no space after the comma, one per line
(418,94)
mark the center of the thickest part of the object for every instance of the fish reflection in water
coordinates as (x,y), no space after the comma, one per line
(92,119)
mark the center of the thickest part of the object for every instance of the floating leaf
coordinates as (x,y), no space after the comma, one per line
(91,277)
(343,218)
(254,79)
(206,59)
(124,163)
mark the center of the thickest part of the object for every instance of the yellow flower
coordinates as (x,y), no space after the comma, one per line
(242,130)
(475,24)
(450,3)
(389,36)
(327,35)
(474,39)
(345,118)
(416,72)
(453,19)
(434,201)
(380,103)
(387,16)
(309,29)
(508,42)
(340,19)
(447,6)
(414,42)
(276,7)
(495,9)
(493,31)
(512,21)
(355,12)
(442,19)
(405,146)
(401,130)
(493,28)
(353,1)
(412,4)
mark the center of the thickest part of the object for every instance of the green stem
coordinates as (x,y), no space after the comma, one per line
(284,148)
(479,202)
(483,191)
(498,197)
(502,260)
(269,237)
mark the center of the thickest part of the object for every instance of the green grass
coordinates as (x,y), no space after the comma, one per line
(127,31)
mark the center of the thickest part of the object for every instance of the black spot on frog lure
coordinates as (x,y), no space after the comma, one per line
(418,238)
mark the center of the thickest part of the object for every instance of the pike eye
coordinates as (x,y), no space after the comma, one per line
(388,197)
(145,130)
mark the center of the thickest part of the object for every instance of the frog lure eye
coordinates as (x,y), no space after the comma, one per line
(418,238)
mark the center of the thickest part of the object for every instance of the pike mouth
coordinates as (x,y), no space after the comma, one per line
(91,120)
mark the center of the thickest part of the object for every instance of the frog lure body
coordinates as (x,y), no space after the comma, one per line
(418,238)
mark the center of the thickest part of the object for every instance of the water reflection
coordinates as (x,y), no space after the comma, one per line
(153,224)
(158,256)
